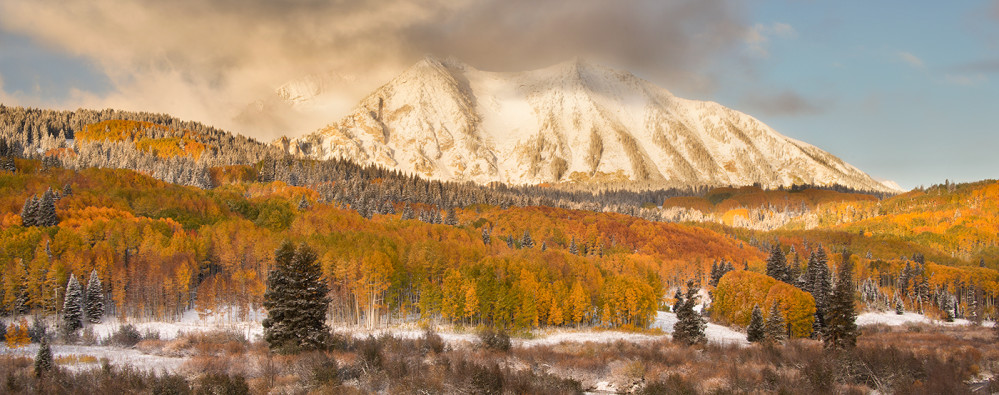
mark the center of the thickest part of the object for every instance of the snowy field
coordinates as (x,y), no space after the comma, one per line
(116,356)
(891,319)
(191,322)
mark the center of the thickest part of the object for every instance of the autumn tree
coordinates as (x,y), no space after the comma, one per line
(755,331)
(841,319)
(296,300)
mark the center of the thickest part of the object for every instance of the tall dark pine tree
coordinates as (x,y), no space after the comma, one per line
(46,210)
(296,301)
(486,239)
(43,360)
(777,264)
(819,284)
(526,241)
(573,249)
(407,212)
(451,218)
(755,331)
(776,326)
(841,317)
(689,328)
(72,309)
(95,298)
(29,212)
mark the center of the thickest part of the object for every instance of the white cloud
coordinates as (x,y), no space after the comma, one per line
(910,59)
(209,60)
(757,38)
(966,79)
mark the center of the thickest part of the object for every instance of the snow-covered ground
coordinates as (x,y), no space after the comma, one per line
(190,322)
(891,319)
(715,333)
(116,356)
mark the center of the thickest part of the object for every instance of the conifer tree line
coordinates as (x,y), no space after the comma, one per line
(41,211)
(34,133)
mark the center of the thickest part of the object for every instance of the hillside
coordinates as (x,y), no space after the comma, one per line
(574,122)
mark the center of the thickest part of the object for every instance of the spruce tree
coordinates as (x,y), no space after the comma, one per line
(46,210)
(43,360)
(841,317)
(29,212)
(296,301)
(689,328)
(755,331)
(67,190)
(677,300)
(451,218)
(485,236)
(95,298)
(525,241)
(899,308)
(776,327)
(818,283)
(573,249)
(407,212)
(777,264)
(72,309)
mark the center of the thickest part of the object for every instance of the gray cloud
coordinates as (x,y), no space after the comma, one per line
(982,66)
(783,103)
(207,60)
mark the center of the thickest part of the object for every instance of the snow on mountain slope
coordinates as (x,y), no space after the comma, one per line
(572,122)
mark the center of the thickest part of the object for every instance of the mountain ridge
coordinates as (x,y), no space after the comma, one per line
(573,122)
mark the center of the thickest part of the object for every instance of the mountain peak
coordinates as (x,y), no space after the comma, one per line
(574,122)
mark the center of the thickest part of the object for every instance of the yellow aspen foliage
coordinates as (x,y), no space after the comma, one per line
(737,292)
(17,335)
(579,303)
(797,306)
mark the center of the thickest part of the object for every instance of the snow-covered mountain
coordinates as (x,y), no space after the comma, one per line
(574,122)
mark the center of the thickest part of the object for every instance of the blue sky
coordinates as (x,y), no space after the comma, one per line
(904,90)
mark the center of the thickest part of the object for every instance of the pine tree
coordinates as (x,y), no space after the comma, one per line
(407,212)
(899,308)
(29,212)
(776,327)
(677,300)
(689,328)
(296,301)
(777,264)
(451,218)
(46,210)
(485,236)
(303,204)
(573,249)
(818,283)
(841,317)
(43,361)
(67,190)
(95,298)
(72,310)
(714,274)
(755,331)
(525,241)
